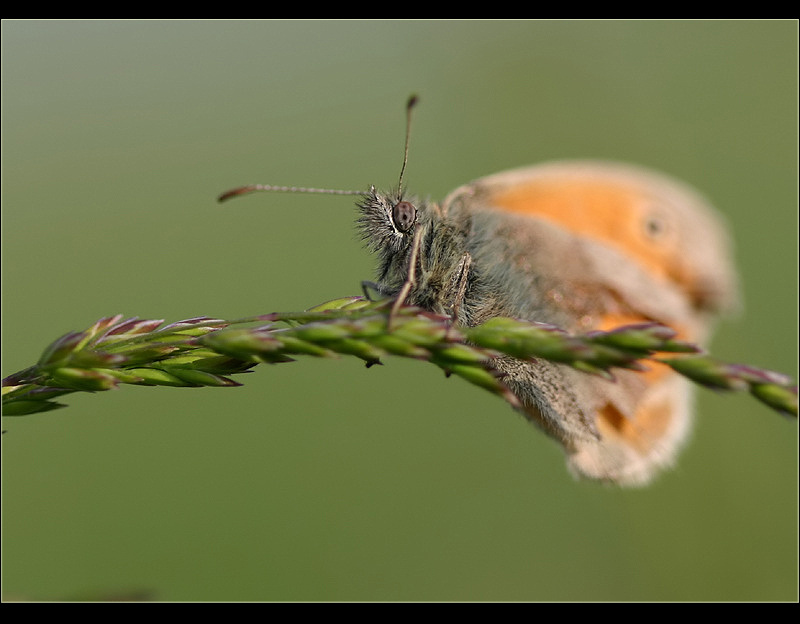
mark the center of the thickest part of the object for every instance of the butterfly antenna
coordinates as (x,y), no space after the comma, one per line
(412,102)
(253,188)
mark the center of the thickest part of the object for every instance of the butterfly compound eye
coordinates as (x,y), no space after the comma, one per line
(404,215)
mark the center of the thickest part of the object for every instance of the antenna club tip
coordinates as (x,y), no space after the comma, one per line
(235,193)
(412,101)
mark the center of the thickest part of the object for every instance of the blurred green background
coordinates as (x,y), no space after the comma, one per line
(322,480)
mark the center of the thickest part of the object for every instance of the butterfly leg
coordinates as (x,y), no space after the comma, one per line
(367,285)
(459,285)
(411,276)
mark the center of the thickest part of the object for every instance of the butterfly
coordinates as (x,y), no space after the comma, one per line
(584,245)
